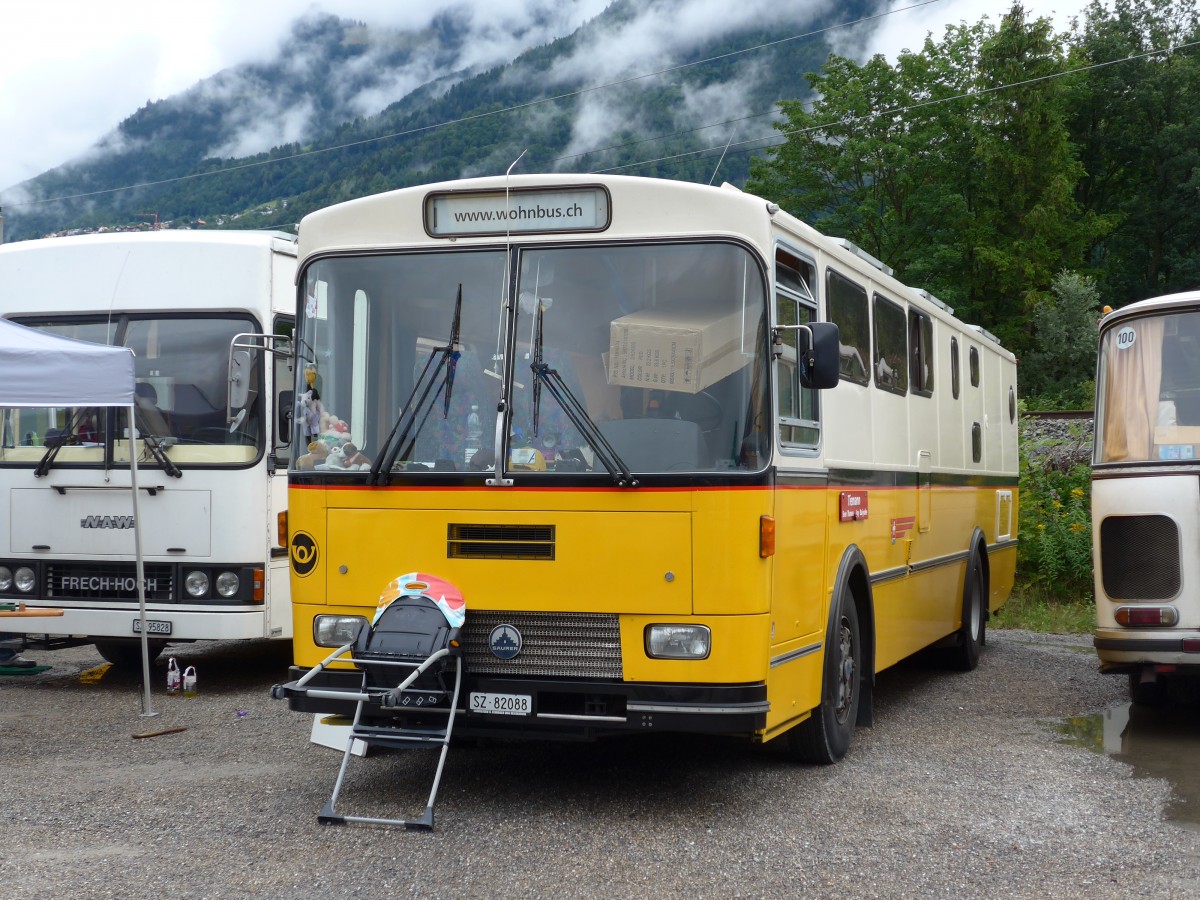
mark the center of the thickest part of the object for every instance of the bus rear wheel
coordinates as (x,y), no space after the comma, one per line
(973,633)
(126,653)
(824,737)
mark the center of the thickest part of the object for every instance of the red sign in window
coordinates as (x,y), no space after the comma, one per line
(853,505)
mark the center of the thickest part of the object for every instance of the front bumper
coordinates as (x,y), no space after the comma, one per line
(561,709)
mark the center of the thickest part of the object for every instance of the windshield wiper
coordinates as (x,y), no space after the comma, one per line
(154,444)
(403,435)
(543,374)
(66,436)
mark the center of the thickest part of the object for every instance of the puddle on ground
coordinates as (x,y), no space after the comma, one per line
(1157,742)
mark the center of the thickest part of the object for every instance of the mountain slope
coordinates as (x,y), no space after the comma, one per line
(294,131)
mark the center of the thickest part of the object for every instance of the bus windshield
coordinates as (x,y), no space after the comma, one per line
(650,358)
(181,373)
(1148,405)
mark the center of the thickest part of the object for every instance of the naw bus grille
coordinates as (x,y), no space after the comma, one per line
(554,645)
(107,581)
(1139,557)
(500,541)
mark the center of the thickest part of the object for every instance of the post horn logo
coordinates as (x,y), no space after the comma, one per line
(303,553)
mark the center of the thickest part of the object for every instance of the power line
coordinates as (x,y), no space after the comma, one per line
(848,120)
(471,118)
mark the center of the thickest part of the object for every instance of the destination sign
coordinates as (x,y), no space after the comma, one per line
(527,211)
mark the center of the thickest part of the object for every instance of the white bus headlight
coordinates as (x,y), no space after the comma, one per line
(228,584)
(25,580)
(336,631)
(678,641)
(196,583)
(6,579)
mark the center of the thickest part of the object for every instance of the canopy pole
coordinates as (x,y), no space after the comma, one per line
(147,707)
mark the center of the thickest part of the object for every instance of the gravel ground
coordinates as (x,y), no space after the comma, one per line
(964,787)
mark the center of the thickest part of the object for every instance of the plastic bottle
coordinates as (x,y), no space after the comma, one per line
(189,681)
(174,679)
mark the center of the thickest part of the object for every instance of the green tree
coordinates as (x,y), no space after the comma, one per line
(1059,370)
(1136,120)
(954,166)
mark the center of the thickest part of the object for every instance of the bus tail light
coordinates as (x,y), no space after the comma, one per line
(1191,645)
(1146,615)
(281,528)
(766,536)
(258,589)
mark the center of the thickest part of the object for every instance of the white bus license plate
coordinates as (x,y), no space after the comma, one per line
(153,626)
(502,704)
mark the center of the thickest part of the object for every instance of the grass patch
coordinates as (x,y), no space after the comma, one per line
(1034,609)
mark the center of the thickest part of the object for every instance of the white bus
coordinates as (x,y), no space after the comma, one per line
(1146,493)
(589,402)
(194,307)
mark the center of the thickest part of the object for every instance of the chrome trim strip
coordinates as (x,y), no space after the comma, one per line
(939,561)
(889,575)
(763,706)
(796,654)
(1002,545)
(578,718)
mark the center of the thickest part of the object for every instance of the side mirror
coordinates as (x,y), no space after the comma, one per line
(817,350)
(820,360)
(285,406)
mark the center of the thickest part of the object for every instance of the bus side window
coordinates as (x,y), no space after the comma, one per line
(794,305)
(920,353)
(847,304)
(954,376)
(891,347)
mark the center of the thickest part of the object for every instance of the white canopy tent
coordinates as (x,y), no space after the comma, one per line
(43,370)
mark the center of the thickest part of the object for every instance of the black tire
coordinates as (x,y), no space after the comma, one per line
(126,653)
(824,737)
(973,634)
(1151,694)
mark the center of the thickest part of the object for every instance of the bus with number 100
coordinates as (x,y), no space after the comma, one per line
(695,466)
(1146,494)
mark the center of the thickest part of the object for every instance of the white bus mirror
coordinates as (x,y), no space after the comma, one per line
(241,381)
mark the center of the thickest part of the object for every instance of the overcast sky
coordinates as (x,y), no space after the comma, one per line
(71,70)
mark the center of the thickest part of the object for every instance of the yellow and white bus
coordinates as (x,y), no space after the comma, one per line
(1146,495)
(595,405)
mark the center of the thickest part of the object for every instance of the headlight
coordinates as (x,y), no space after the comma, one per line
(196,583)
(336,631)
(678,641)
(25,580)
(228,584)
(6,579)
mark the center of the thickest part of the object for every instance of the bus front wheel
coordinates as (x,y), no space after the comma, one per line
(824,737)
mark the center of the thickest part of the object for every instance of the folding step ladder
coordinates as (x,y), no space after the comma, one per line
(406,657)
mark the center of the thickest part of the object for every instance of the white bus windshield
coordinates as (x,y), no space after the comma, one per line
(1149,390)
(657,351)
(181,371)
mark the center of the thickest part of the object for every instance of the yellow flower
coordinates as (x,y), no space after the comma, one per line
(1078,527)
(1058,504)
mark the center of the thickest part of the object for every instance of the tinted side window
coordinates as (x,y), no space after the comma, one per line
(973,364)
(847,304)
(891,346)
(954,367)
(920,353)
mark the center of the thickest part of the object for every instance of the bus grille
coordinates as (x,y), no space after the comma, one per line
(500,541)
(554,645)
(107,581)
(1139,557)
